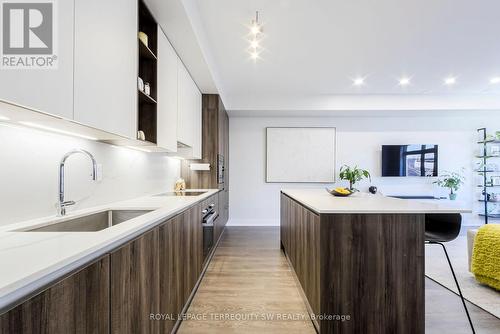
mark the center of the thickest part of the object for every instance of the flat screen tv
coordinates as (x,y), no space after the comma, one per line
(410,160)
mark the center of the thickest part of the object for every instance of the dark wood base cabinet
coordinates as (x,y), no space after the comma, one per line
(135,285)
(141,287)
(181,261)
(369,267)
(76,304)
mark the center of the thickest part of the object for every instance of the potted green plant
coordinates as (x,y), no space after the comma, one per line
(452,181)
(353,175)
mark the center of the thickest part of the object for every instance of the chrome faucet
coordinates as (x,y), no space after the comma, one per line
(61,207)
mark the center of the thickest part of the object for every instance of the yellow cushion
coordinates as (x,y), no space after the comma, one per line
(486,255)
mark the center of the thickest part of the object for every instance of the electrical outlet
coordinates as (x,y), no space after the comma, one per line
(99,172)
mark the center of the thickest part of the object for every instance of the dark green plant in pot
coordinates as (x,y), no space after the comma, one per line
(452,181)
(353,175)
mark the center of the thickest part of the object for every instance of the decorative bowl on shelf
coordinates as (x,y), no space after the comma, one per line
(143,38)
(340,192)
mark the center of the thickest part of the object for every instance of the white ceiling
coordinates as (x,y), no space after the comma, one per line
(313,48)
(173,19)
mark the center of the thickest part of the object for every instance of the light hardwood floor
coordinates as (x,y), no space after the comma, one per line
(249,275)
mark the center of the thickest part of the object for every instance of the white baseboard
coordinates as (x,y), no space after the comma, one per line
(253,222)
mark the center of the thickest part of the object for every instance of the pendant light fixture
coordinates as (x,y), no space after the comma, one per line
(255,35)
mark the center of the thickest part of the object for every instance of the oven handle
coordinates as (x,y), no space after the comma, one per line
(209,221)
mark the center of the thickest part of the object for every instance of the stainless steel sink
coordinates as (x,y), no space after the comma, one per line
(91,223)
(182,193)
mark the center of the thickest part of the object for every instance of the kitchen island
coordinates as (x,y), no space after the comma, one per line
(359,260)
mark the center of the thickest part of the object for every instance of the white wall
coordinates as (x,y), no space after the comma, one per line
(29,161)
(359,140)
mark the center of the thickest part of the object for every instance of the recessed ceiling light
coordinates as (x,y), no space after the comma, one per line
(404,81)
(450,81)
(254,55)
(51,129)
(495,80)
(254,44)
(358,81)
(3,118)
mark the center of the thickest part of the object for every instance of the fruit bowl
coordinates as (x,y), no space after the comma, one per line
(340,192)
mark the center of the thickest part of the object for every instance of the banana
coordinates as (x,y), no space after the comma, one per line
(343,191)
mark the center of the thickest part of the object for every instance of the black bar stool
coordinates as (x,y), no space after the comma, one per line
(440,228)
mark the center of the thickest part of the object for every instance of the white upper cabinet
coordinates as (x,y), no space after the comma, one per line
(185,133)
(167,94)
(47,90)
(105,79)
(189,113)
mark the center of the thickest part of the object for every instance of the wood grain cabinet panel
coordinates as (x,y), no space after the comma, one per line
(376,273)
(223,207)
(181,260)
(300,240)
(171,276)
(77,304)
(367,266)
(284,222)
(135,285)
(193,240)
(224,150)
(215,132)
(218,228)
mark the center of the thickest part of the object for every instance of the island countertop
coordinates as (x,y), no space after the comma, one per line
(321,202)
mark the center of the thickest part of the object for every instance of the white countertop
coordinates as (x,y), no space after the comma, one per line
(31,260)
(320,201)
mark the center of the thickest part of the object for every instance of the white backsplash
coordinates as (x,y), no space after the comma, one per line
(29,161)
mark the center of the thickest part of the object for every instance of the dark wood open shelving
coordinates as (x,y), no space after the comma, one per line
(144,98)
(146,52)
(147,106)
